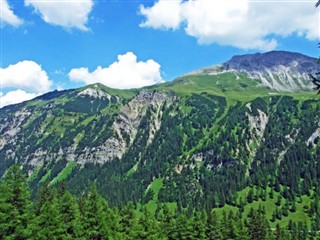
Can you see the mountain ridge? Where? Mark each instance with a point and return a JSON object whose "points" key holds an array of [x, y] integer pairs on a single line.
{"points": [[204, 137], [258, 68]]}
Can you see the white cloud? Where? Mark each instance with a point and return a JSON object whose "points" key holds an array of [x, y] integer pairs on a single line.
{"points": [[23, 81], [26, 75], [16, 96], [163, 15], [125, 73], [7, 16], [240, 23], [68, 14]]}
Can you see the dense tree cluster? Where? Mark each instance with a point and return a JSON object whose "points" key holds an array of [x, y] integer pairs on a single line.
{"points": [[58, 214]]}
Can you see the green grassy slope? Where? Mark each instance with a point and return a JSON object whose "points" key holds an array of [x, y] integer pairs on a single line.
{"points": [[234, 86]]}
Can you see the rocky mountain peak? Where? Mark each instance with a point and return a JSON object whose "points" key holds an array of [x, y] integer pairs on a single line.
{"points": [[272, 60], [276, 70], [95, 92]]}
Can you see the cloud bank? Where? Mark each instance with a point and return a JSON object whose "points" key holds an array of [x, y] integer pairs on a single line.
{"points": [[125, 73], [27, 78], [67, 14], [240, 23], [7, 16]]}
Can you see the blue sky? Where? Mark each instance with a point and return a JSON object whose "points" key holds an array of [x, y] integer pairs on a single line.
{"points": [[47, 45]]}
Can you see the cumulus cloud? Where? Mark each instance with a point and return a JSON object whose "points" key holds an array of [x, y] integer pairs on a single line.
{"points": [[125, 73], [16, 96], [27, 75], [240, 23], [7, 15], [27, 78], [67, 14], [164, 14]]}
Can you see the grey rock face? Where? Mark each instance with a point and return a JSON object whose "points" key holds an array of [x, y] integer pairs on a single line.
{"points": [[126, 125], [273, 59], [277, 70]]}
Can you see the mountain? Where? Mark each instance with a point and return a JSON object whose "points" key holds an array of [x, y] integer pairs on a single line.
{"points": [[276, 70], [204, 140]]}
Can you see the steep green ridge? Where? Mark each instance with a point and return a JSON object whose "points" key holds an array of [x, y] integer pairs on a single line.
{"points": [[234, 86], [237, 87]]}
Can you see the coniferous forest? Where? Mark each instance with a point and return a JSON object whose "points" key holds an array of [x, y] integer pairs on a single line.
{"points": [[55, 213], [198, 179]]}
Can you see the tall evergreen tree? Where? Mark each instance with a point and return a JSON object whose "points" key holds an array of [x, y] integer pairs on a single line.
{"points": [[147, 227], [45, 194], [93, 216], [70, 216], [213, 226], [128, 221], [49, 223], [198, 225], [182, 229], [15, 205], [257, 226]]}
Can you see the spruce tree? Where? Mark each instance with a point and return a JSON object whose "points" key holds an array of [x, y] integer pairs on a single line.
{"points": [[45, 194], [93, 216], [198, 225], [147, 227], [240, 230], [49, 223], [70, 216], [257, 226], [213, 226], [128, 221], [15, 205], [167, 222]]}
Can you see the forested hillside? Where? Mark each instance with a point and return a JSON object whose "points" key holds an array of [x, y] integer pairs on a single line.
{"points": [[225, 138], [58, 214]]}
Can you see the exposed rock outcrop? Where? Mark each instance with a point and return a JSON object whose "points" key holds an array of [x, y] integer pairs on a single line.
{"points": [[126, 126]]}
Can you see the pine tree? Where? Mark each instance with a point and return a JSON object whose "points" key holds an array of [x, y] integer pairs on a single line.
{"points": [[302, 230], [113, 223], [49, 223], [128, 221], [198, 225], [293, 207], [70, 216], [240, 230], [147, 228], [279, 200], [274, 216], [279, 233], [250, 196], [15, 205], [167, 221], [45, 194], [213, 226], [229, 225], [183, 229], [93, 216], [257, 226]]}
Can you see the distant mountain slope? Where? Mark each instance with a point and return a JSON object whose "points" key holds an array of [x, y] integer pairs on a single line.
{"points": [[276, 70]]}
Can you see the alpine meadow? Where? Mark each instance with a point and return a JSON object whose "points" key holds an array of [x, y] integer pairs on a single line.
{"points": [[227, 151]]}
